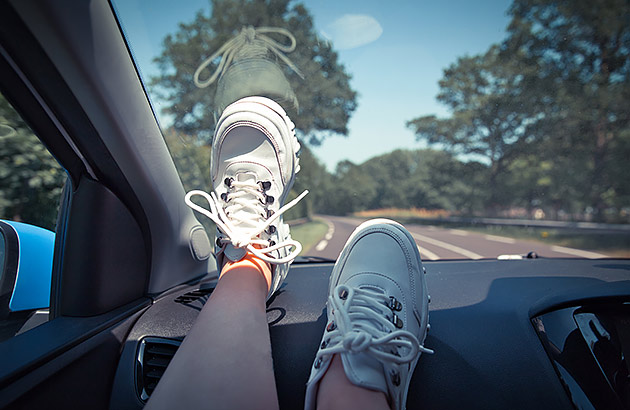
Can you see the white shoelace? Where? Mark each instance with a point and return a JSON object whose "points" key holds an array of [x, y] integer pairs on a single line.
{"points": [[259, 42], [246, 219], [362, 325]]}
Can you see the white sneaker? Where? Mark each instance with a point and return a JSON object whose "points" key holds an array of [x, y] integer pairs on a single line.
{"points": [[253, 166], [377, 312]]}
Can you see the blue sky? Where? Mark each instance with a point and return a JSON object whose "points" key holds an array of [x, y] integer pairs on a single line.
{"points": [[396, 56]]}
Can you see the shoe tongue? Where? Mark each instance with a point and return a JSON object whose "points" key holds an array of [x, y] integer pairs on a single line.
{"points": [[249, 178], [246, 177], [377, 307], [232, 253], [361, 368]]}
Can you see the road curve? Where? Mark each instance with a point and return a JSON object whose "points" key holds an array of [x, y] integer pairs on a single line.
{"points": [[443, 243]]}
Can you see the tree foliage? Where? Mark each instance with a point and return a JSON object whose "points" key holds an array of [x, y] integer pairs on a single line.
{"points": [[485, 96], [31, 180], [582, 51], [326, 99], [402, 179], [547, 109]]}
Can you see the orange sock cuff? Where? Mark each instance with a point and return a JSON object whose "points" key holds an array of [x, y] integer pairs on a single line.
{"points": [[249, 261]]}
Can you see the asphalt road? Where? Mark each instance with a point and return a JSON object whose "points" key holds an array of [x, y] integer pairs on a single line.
{"points": [[440, 243]]}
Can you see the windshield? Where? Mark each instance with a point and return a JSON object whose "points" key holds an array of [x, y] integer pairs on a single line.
{"points": [[491, 129]]}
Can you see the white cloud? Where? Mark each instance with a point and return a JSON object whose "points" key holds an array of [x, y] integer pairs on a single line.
{"points": [[353, 30]]}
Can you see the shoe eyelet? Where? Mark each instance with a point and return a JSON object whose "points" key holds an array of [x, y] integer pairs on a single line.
{"points": [[269, 213], [343, 295], [228, 181], [395, 377], [317, 363], [271, 230], [331, 326], [272, 243], [264, 185], [324, 344], [224, 197], [218, 242], [268, 200], [397, 321], [394, 304]]}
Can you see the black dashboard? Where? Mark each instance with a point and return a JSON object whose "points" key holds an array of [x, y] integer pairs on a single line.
{"points": [[540, 333]]}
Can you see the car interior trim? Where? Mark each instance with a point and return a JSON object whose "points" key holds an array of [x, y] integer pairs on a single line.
{"points": [[25, 352], [79, 51]]}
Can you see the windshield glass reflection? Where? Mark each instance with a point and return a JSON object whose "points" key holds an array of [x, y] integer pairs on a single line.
{"points": [[491, 130]]}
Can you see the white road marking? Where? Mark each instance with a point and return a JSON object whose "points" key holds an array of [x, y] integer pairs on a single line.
{"points": [[321, 245], [427, 254], [453, 248], [578, 252], [324, 242], [499, 239], [458, 232]]}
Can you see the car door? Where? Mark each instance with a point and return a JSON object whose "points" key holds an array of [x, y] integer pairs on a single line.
{"points": [[123, 233]]}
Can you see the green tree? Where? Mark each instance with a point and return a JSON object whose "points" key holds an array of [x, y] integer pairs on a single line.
{"points": [[440, 181], [353, 190], [486, 95], [557, 88], [31, 180], [582, 51], [388, 173], [325, 98], [405, 178], [191, 158], [313, 177]]}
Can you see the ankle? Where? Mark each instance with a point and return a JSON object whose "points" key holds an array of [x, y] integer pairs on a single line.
{"points": [[336, 391], [249, 262]]}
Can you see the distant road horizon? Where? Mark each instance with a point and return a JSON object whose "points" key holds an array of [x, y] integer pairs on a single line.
{"points": [[443, 243]]}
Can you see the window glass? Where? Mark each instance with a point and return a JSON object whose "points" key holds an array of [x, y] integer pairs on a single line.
{"points": [[498, 129], [31, 182]]}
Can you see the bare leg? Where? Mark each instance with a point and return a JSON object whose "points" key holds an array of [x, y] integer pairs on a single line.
{"points": [[367, 353], [225, 361], [336, 392]]}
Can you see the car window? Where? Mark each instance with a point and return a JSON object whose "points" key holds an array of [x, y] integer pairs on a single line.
{"points": [[31, 182], [2, 251], [499, 130]]}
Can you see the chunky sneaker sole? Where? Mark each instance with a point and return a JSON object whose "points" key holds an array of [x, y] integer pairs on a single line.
{"points": [[377, 312], [271, 121], [253, 166]]}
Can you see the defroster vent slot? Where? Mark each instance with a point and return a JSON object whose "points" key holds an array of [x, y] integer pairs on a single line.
{"points": [[154, 355]]}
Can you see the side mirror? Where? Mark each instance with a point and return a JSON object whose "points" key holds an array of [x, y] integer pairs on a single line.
{"points": [[26, 254]]}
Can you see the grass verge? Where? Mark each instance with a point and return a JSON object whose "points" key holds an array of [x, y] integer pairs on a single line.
{"points": [[309, 234]]}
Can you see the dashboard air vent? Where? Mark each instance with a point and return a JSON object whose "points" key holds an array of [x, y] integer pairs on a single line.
{"points": [[154, 354], [194, 295]]}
